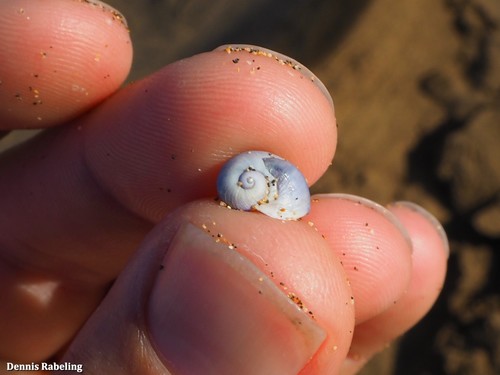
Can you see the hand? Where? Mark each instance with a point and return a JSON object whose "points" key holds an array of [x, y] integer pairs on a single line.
{"points": [[209, 290]]}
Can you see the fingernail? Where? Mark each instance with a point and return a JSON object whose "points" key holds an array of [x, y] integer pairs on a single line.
{"points": [[375, 207], [115, 14], [283, 60], [212, 311], [427, 216]]}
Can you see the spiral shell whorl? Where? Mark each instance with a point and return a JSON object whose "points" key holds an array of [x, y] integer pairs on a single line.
{"points": [[261, 181]]}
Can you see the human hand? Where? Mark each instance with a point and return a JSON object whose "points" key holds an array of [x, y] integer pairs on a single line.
{"points": [[77, 201]]}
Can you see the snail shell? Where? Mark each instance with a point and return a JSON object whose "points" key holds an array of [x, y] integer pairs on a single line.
{"points": [[261, 181]]}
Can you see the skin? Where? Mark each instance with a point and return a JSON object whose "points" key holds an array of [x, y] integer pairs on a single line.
{"points": [[78, 200]]}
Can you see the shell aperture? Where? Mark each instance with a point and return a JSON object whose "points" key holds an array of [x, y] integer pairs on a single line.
{"points": [[261, 181]]}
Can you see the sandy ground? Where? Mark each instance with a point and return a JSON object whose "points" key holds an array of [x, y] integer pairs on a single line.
{"points": [[416, 87]]}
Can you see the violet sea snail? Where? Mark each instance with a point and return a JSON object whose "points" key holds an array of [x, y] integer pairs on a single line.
{"points": [[261, 181]]}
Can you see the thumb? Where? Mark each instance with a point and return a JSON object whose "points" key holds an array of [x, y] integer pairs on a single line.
{"points": [[190, 303]]}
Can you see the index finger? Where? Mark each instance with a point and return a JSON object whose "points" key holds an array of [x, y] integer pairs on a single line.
{"points": [[161, 142]]}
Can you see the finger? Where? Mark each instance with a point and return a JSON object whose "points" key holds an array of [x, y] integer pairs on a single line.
{"points": [[372, 245], [59, 58], [235, 293], [430, 253], [160, 143], [76, 201]]}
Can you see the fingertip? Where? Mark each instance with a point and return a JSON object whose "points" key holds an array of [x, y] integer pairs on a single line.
{"points": [[59, 58], [282, 94], [237, 305], [298, 261], [160, 142], [281, 59], [423, 225], [373, 246], [430, 256]]}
